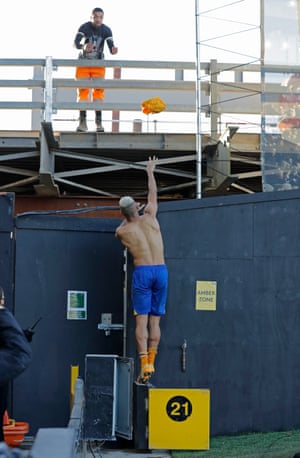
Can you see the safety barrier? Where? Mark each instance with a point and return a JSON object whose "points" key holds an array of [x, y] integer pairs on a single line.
{"points": [[130, 83], [66, 442]]}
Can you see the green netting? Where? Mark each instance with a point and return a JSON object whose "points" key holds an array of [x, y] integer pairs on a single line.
{"points": [[255, 445]]}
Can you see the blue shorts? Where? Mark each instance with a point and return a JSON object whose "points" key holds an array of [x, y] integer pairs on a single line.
{"points": [[149, 290]]}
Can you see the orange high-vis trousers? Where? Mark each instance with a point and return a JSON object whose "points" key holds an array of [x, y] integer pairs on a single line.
{"points": [[86, 73]]}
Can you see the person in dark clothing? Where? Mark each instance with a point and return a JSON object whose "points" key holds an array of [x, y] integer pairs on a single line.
{"points": [[15, 354], [90, 39]]}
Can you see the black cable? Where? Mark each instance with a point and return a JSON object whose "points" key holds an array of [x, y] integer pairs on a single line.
{"points": [[91, 449], [72, 211]]}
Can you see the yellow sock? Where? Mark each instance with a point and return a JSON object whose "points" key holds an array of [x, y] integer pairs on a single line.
{"points": [[151, 355], [143, 360]]}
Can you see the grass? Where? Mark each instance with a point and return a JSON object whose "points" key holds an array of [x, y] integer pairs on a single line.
{"points": [[254, 445]]}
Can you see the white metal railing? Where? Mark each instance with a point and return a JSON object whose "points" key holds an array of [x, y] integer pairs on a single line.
{"points": [[222, 87]]}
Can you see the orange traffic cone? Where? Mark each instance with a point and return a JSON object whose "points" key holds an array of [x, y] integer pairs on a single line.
{"points": [[14, 431], [5, 419]]}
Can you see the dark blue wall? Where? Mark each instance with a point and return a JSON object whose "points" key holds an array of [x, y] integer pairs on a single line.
{"points": [[247, 352], [7, 246], [55, 254]]}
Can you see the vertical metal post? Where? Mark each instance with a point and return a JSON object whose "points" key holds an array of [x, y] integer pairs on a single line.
{"points": [[48, 89], [125, 265], [179, 75], [262, 32], [47, 159], [263, 93], [214, 98], [37, 96], [116, 113], [198, 106]]}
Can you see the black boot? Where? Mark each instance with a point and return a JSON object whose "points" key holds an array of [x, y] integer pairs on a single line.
{"points": [[99, 127], [82, 122]]}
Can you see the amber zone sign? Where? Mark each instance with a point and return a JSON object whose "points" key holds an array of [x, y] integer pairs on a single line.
{"points": [[206, 295]]}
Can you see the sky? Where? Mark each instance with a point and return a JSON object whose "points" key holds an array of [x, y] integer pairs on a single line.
{"points": [[156, 29], [142, 30], [151, 30]]}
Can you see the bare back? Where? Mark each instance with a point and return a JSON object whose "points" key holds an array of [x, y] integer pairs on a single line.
{"points": [[142, 237]]}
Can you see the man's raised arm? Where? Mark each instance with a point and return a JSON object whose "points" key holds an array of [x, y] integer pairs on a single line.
{"points": [[152, 187]]}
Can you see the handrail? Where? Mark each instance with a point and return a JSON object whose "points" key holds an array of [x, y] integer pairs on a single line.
{"points": [[51, 93], [95, 63]]}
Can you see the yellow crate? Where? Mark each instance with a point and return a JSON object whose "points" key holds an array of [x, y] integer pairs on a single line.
{"points": [[179, 419]]}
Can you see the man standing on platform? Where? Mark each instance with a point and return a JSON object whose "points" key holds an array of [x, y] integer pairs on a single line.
{"points": [[90, 38], [141, 235]]}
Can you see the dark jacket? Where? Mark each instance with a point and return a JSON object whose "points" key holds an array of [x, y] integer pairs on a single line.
{"points": [[87, 33], [15, 352]]}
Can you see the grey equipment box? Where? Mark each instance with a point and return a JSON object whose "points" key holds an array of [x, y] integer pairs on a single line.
{"points": [[108, 397]]}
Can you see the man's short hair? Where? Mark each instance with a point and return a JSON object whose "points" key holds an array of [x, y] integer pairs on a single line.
{"points": [[127, 205], [126, 202], [97, 10]]}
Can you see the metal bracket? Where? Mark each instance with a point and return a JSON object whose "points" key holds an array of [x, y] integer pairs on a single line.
{"points": [[106, 324]]}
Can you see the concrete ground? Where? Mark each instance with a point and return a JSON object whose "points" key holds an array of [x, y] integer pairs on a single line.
{"points": [[103, 452], [120, 449], [132, 454], [95, 450], [106, 453]]}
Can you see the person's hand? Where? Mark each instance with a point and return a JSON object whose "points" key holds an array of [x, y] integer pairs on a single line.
{"points": [[114, 50], [88, 47], [151, 163]]}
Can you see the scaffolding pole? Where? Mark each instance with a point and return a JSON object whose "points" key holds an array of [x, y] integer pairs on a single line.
{"points": [[198, 106]]}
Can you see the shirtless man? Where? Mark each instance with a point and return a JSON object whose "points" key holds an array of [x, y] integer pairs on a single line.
{"points": [[141, 235]]}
